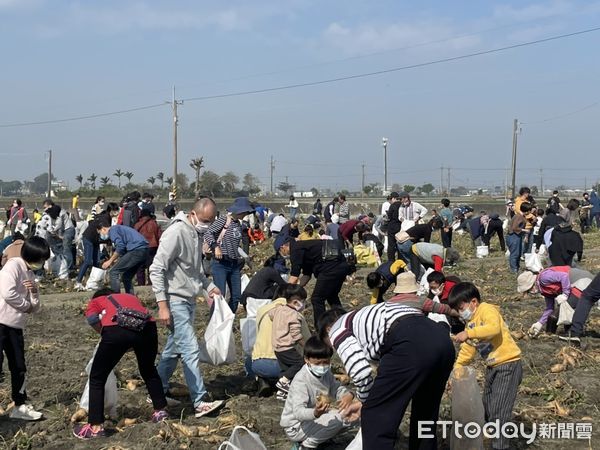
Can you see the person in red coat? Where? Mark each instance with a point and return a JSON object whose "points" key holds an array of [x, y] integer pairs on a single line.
{"points": [[149, 228]]}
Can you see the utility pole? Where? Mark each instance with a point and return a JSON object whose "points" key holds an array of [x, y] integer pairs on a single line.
{"points": [[541, 182], [442, 180], [362, 186], [585, 184], [272, 171], [384, 142], [174, 105], [49, 173], [514, 158], [448, 180]]}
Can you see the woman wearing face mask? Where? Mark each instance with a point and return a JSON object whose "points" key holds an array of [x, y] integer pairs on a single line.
{"points": [[223, 238], [149, 228], [17, 215], [19, 296], [290, 332], [97, 208]]}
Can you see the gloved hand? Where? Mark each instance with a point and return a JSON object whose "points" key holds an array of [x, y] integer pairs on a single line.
{"points": [[535, 329], [560, 299]]}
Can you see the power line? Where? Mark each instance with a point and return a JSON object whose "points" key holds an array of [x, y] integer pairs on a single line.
{"points": [[89, 116], [561, 116], [395, 69], [313, 83]]}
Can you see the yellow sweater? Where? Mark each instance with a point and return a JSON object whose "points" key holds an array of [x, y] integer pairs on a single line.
{"points": [[396, 267], [264, 330], [488, 335]]}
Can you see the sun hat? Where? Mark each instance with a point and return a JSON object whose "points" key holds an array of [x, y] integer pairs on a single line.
{"points": [[241, 205], [525, 281], [406, 283]]}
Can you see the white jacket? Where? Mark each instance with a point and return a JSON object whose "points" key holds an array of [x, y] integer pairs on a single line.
{"points": [[15, 299]]}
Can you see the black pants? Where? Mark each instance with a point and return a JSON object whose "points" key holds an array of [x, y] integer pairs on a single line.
{"points": [[488, 237], [392, 249], [12, 345], [416, 363], [290, 362], [330, 278], [115, 342], [446, 237], [589, 296]]}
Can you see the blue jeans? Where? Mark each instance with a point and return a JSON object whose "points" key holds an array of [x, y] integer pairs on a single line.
{"points": [[91, 258], [266, 368], [126, 268], [514, 242], [182, 342], [405, 250], [226, 272], [526, 246], [67, 240]]}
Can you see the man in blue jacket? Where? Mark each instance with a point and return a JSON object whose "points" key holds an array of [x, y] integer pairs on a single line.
{"points": [[130, 253]]}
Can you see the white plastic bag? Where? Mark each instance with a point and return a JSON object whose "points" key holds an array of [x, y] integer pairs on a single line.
{"points": [[467, 406], [407, 225], [533, 262], [96, 279], [565, 314], [245, 279], [253, 305], [111, 395], [482, 251], [59, 267], [356, 443], [542, 251], [218, 346], [248, 332], [436, 317], [243, 439], [424, 284]]}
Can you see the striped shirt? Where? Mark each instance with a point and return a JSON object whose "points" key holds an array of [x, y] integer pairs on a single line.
{"points": [[358, 339], [231, 238]]}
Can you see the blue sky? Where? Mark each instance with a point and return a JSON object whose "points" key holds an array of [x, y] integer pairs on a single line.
{"points": [[65, 59]]}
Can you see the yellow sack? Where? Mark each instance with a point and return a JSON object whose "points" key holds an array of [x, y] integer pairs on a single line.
{"points": [[364, 256]]}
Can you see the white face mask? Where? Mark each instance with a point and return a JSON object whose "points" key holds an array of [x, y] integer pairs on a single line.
{"points": [[437, 291], [200, 227], [319, 371], [466, 314]]}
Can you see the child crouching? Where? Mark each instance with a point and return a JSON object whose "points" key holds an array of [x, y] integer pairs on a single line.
{"points": [[307, 418], [486, 333]]}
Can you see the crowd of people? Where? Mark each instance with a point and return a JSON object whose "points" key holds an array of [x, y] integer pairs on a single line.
{"points": [[408, 333]]}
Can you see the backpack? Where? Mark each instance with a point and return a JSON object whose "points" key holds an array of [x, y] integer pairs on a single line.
{"points": [[131, 214]]}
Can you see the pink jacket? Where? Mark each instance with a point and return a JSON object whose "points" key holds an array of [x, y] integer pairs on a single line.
{"points": [[15, 300]]}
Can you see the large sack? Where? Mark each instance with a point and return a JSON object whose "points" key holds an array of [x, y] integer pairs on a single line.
{"points": [[218, 346]]}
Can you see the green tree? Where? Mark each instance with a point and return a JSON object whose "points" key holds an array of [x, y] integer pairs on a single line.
{"points": [[314, 191], [368, 189], [230, 181], [427, 188], [92, 179], [160, 176], [11, 187], [250, 183], [104, 181], [197, 164], [408, 188], [286, 187], [79, 179], [119, 173], [182, 182], [210, 183], [169, 181], [129, 176], [40, 183], [151, 181]]}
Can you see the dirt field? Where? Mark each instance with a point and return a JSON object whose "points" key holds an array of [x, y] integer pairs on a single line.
{"points": [[59, 344]]}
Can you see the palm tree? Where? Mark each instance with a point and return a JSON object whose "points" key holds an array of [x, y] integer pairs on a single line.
{"points": [[160, 176], [104, 181], [79, 179], [129, 176], [197, 164], [169, 181], [151, 181], [92, 180], [118, 173]]}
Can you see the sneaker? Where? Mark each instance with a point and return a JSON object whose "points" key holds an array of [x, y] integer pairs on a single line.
{"points": [[25, 412], [85, 431], [571, 339], [264, 388], [170, 400], [283, 384], [159, 416], [205, 408], [79, 287], [281, 395]]}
